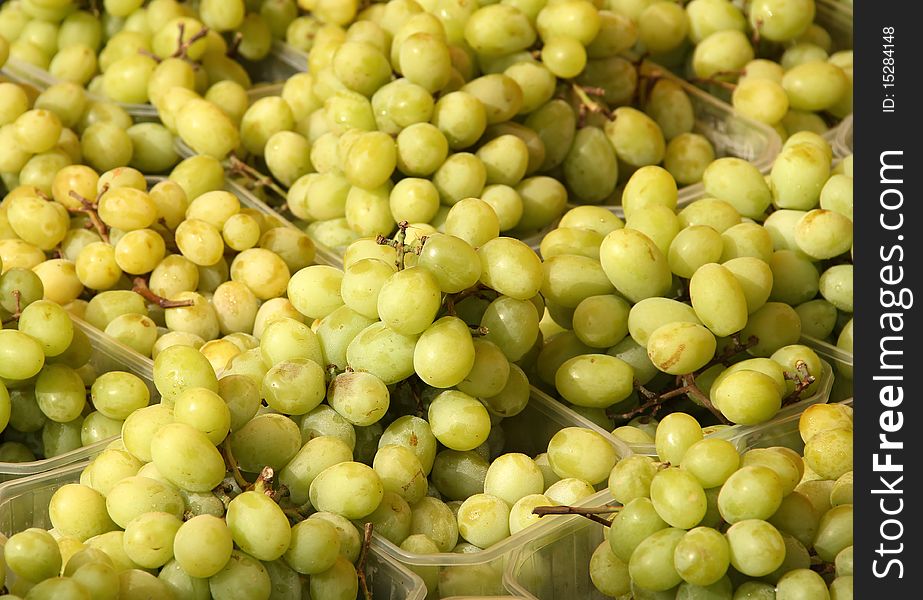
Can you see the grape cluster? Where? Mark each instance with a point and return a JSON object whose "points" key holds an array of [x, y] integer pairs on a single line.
{"points": [[681, 295], [53, 397], [767, 523]]}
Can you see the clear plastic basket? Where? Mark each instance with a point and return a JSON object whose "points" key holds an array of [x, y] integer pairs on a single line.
{"points": [[553, 562], [108, 355], [481, 573], [736, 433], [24, 504], [842, 362]]}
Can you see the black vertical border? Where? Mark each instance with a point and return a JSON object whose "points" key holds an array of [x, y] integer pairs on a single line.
{"points": [[877, 132]]}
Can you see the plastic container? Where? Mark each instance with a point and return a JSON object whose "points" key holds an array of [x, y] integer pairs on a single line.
{"points": [[481, 573], [108, 355], [737, 433], [837, 18], [553, 562], [265, 73], [24, 504]]}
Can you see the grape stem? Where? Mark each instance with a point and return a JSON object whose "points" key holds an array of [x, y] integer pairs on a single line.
{"points": [[140, 287], [17, 296], [238, 166], [397, 243], [183, 46], [90, 209], [232, 464], [591, 513], [588, 104], [655, 401], [478, 291], [802, 378], [756, 32], [360, 564], [235, 44]]}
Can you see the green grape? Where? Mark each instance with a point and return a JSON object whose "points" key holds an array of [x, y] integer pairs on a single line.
{"points": [[269, 439], [662, 27], [823, 417], [680, 347], [483, 30], [408, 301], [795, 278], [242, 577], [22, 355], [823, 234], [421, 149], [756, 547], [555, 123], [829, 453], [692, 248], [633, 524], [149, 538], [740, 184], [796, 516], [634, 265], [294, 386], [752, 492], [687, 156], [315, 290], [451, 408], [570, 450], [718, 299], [774, 325], [133, 497], [543, 199], [383, 352], [678, 498], [338, 582], [314, 548], [400, 472], [590, 166], [675, 434], [49, 325], [815, 85], [203, 545], [177, 440], [721, 52], [608, 573], [702, 556], [837, 195], [631, 478], [258, 526], [801, 583], [651, 564], [350, 489], [511, 268], [315, 456], [746, 240], [444, 353], [711, 461], [798, 175], [513, 476], [844, 562], [594, 380], [762, 100], [755, 278], [483, 520]]}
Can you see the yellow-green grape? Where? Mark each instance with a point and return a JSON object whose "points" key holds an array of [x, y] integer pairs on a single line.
{"points": [[747, 397], [635, 265], [678, 497], [671, 108], [755, 278], [651, 565], [680, 347], [590, 166], [511, 268], [836, 286], [444, 353], [738, 183], [718, 299], [707, 17], [350, 489], [746, 240], [452, 408], [594, 380], [815, 86], [662, 27], [203, 545], [763, 100], [649, 185], [692, 248], [499, 29], [460, 117], [823, 234], [781, 21], [798, 175], [721, 52], [636, 138], [570, 279], [658, 223], [581, 453], [651, 313]]}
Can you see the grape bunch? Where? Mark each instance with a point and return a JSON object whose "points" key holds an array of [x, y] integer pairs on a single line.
{"points": [[670, 300], [42, 133], [131, 54], [768, 523], [413, 108], [55, 395]]}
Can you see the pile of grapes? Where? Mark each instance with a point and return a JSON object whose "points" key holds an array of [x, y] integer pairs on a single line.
{"points": [[423, 296]]}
